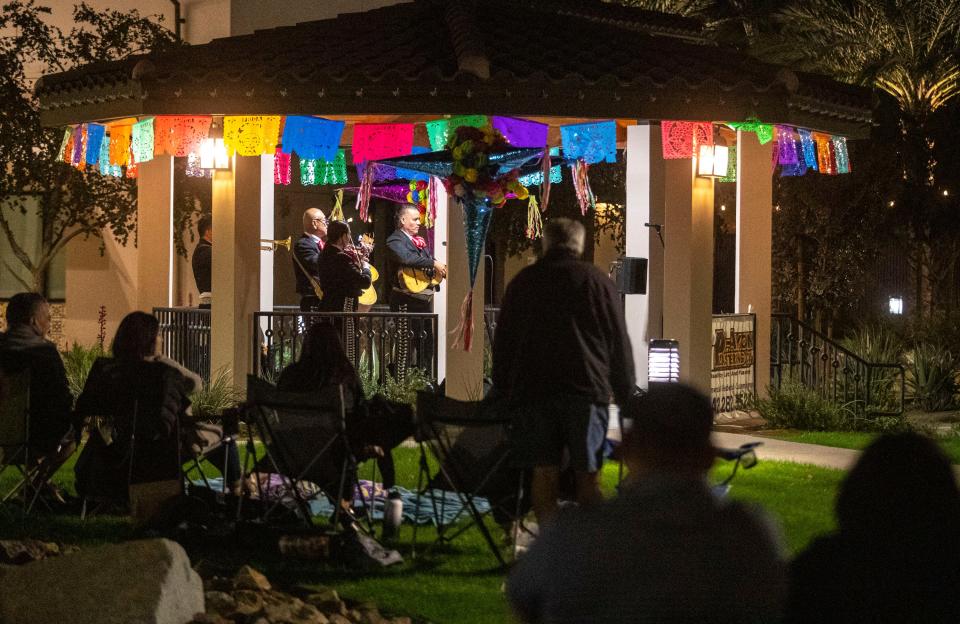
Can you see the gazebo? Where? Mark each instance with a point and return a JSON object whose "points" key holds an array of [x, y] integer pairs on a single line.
{"points": [[554, 62]]}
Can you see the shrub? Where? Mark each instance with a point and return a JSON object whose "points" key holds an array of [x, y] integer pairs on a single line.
{"points": [[209, 401], [795, 406], [78, 361], [405, 391], [931, 377], [875, 344]]}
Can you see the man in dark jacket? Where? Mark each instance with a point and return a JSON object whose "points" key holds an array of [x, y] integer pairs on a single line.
{"points": [[24, 347], [306, 258], [202, 260], [561, 353], [407, 250], [343, 274]]}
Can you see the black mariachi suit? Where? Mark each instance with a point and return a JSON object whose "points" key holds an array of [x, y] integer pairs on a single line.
{"points": [[401, 252], [308, 252], [340, 278]]}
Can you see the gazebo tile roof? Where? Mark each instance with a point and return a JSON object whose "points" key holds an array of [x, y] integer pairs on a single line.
{"points": [[561, 57]]}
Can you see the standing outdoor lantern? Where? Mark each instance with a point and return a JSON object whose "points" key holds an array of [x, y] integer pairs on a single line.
{"points": [[663, 361], [712, 161]]}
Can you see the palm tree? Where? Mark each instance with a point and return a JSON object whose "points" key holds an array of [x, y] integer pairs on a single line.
{"points": [[905, 48]]}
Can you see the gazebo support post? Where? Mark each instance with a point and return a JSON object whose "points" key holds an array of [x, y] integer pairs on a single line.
{"points": [[155, 255], [440, 252], [464, 370], [644, 181], [688, 269], [755, 245], [242, 215]]}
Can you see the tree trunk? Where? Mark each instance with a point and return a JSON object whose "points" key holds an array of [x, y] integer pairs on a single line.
{"points": [[917, 160]]}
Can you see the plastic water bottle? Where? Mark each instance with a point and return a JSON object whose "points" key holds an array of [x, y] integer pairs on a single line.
{"points": [[392, 514]]}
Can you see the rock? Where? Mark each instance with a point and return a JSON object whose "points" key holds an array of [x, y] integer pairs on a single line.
{"points": [[146, 581], [19, 552], [249, 578], [401, 620], [294, 611], [354, 615], [208, 618], [218, 583], [371, 616], [336, 618], [328, 601], [248, 603], [220, 603]]}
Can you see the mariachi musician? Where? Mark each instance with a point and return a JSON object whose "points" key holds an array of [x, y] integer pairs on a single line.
{"points": [[306, 259], [344, 271], [413, 271]]}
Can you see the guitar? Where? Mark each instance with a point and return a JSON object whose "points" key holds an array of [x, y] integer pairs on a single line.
{"points": [[418, 280], [365, 248]]}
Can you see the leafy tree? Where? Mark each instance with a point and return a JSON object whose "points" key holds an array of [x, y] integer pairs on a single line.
{"points": [[69, 202], [908, 50]]}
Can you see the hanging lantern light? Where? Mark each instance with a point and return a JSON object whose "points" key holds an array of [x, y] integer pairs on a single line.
{"points": [[213, 151], [712, 160], [663, 361]]}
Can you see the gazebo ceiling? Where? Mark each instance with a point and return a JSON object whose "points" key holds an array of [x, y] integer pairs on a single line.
{"points": [[567, 58]]}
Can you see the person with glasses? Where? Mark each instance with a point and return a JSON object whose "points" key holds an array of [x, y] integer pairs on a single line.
{"points": [[306, 260]]}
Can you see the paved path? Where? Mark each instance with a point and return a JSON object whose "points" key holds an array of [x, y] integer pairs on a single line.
{"points": [[799, 452]]}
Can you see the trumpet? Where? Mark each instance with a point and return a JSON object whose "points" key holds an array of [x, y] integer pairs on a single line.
{"points": [[273, 245]]}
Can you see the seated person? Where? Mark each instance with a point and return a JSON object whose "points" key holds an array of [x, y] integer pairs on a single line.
{"points": [[143, 392], [323, 363], [24, 346]]}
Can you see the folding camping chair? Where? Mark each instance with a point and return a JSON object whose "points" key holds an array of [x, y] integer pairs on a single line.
{"points": [[474, 453], [130, 456], [306, 442], [15, 436]]}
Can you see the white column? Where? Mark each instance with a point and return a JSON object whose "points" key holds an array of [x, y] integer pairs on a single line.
{"points": [[241, 196], [464, 369], [155, 255], [440, 299], [644, 184], [688, 269], [755, 244]]}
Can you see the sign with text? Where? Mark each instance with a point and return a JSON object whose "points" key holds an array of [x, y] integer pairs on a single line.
{"points": [[733, 369]]}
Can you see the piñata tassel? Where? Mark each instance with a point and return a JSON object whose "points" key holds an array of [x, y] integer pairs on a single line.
{"points": [[581, 183], [545, 184], [337, 213], [464, 330], [534, 221], [363, 193]]}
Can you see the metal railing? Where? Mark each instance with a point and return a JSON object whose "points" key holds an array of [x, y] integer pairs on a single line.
{"points": [[733, 378], [186, 337], [801, 354], [377, 343]]}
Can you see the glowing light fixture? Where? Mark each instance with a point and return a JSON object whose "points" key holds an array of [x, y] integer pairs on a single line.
{"points": [[896, 305], [663, 361], [712, 161], [213, 151]]}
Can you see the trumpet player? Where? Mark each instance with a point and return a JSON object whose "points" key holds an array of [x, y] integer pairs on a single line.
{"points": [[306, 262]]}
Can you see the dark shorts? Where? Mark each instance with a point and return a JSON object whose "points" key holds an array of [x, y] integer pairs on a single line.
{"points": [[543, 430]]}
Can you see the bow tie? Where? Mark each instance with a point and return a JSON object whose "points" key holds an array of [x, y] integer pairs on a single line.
{"points": [[418, 242]]}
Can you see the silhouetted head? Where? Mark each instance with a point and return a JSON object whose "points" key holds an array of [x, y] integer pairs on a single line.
{"points": [[323, 351], [31, 310], [137, 337], [902, 488], [670, 431], [564, 235]]}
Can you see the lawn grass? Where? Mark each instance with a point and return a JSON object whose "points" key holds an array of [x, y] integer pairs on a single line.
{"points": [[856, 440], [459, 582]]}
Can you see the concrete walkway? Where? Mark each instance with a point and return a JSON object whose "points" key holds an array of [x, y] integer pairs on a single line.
{"points": [[798, 452]]}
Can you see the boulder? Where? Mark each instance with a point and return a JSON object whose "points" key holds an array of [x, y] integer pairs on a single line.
{"points": [[19, 552], [142, 582], [250, 578]]}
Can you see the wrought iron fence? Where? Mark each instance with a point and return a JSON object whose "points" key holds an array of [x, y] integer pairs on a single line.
{"points": [[733, 378], [186, 337], [377, 343], [801, 354]]}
